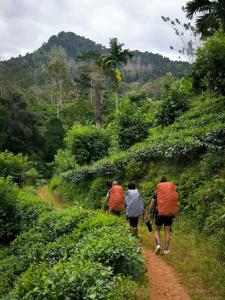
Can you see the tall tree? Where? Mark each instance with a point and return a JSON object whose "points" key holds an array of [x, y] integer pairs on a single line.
{"points": [[112, 61], [92, 80], [212, 15], [58, 73]]}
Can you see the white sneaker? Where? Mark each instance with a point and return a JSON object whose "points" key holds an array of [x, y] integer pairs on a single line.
{"points": [[165, 252], [157, 249]]}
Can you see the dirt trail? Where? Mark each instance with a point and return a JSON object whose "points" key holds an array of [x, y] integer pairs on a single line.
{"points": [[164, 284], [47, 197]]}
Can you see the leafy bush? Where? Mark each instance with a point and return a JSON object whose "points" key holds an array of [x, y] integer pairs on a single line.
{"points": [[123, 256], [76, 279], [87, 143], [28, 209], [59, 222], [175, 102], [209, 68], [54, 135], [97, 191], [132, 127], [137, 96], [17, 167], [9, 226]]}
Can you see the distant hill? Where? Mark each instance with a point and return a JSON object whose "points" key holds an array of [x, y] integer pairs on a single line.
{"points": [[31, 69]]}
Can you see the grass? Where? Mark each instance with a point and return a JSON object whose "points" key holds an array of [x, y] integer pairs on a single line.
{"points": [[194, 257], [50, 198]]}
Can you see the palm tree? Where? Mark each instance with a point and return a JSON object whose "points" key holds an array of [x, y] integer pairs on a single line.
{"points": [[111, 62], [212, 15]]}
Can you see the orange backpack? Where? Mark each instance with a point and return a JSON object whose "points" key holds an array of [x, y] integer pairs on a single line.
{"points": [[167, 199], [116, 198]]}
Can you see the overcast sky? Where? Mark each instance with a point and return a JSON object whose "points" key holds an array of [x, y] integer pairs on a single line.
{"points": [[26, 24]]}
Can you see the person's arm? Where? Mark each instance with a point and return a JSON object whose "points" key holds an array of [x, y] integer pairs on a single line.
{"points": [[152, 204]]}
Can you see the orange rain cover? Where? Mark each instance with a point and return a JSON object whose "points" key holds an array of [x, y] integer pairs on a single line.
{"points": [[116, 198], [167, 199]]}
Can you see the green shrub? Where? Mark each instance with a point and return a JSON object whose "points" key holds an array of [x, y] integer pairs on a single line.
{"points": [[7, 274], [123, 256], [9, 225], [132, 127], [175, 102], [59, 222], [76, 279], [17, 167], [87, 143], [209, 68], [137, 97], [97, 191], [28, 208]]}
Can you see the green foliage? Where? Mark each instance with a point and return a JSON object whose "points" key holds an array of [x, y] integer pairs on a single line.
{"points": [[175, 102], [9, 226], [18, 127], [17, 167], [64, 160], [122, 256], [208, 70], [74, 280], [54, 135], [97, 191], [59, 222], [137, 97], [132, 127], [28, 209], [87, 143], [70, 252]]}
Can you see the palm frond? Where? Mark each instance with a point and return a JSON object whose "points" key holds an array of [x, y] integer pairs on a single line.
{"points": [[194, 6]]}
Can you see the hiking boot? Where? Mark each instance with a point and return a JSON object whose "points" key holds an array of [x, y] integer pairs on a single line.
{"points": [[165, 252], [157, 249]]}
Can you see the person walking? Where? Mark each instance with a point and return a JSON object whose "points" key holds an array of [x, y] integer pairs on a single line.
{"points": [[134, 207], [165, 207], [115, 199]]}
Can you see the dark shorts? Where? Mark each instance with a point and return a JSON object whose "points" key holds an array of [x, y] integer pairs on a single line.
{"points": [[114, 212], [133, 221], [163, 220]]}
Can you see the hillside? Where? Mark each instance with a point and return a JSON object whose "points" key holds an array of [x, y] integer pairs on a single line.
{"points": [[31, 69]]}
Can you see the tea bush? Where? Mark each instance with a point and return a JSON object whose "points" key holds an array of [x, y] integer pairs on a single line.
{"points": [[87, 143], [9, 226], [123, 255], [76, 279]]}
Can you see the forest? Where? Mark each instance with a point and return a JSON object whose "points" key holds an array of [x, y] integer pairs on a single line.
{"points": [[76, 115]]}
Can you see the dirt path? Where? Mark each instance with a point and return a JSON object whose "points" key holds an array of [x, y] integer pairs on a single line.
{"points": [[48, 197], [164, 283]]}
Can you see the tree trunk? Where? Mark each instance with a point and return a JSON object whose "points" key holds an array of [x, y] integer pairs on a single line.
{"points": [[98, 104], [117, 103]]}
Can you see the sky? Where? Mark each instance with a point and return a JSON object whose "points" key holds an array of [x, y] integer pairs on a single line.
{"points": [[26, 24]]}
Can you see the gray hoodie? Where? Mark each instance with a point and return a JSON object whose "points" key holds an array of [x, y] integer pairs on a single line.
{"points": [[134, 204]]}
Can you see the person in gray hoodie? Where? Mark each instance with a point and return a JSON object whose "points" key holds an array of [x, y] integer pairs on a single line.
{"points": [[134, 206]]}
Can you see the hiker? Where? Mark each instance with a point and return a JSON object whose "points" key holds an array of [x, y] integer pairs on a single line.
{"points": [[115, 199], [165, 205], [134, 207]]}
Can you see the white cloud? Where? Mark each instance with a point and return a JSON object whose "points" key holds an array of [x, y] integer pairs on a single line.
{"points": [[26, 24]]}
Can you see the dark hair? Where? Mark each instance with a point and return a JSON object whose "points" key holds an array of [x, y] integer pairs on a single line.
{"points": [[131, 186], [109, 184], [163, 179]]}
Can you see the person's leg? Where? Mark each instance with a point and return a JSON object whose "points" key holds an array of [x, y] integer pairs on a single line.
{"points": [[167, 237], [157, 234], [167, 228], [133, 225], [157, 239], [158, 224]]}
